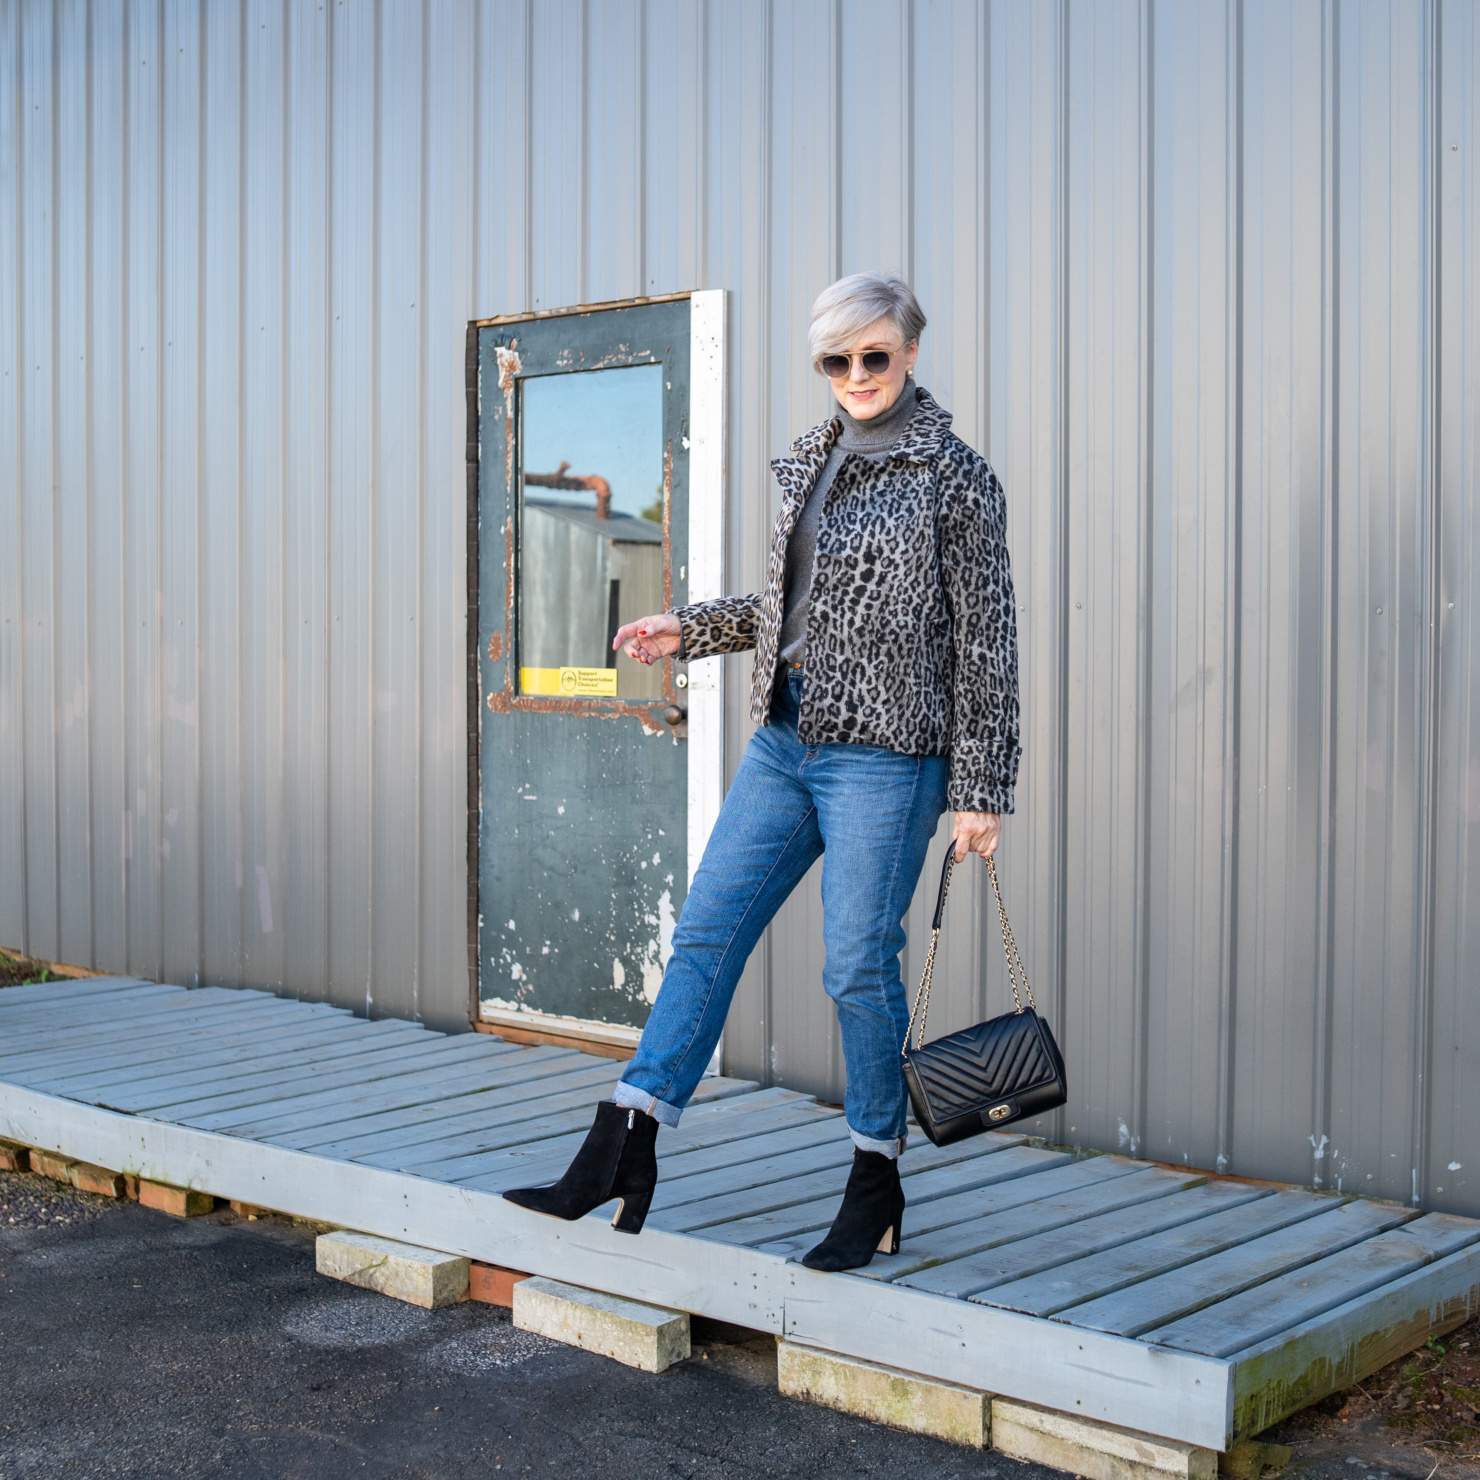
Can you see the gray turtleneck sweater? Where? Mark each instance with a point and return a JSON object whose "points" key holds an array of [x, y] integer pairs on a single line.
{"points": [[872, 439]]}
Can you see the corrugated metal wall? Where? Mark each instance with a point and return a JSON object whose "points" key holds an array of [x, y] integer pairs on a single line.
{"points": [[1203, 285]]}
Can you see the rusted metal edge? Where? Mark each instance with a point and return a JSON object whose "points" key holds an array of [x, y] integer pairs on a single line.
{"points": [[649, 711], [579, 308]]}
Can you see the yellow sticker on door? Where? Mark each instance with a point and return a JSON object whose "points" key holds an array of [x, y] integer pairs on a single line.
{"points": [[569, 683]]}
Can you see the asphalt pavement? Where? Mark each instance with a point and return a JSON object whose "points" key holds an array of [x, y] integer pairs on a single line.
{"points": [[136, 1344]]}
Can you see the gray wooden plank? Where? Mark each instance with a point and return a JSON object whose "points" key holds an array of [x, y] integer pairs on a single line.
{"points": [[334, 1095], [224, 1069], [959, 1275], [25, 1004], [1341, 1347], [951, 1227], [237, 1052], [359, 1053], [51, 1030], [681, 1172], [53, 1049], [30, 990], [501, 1120], [538, 1150], [422, 1125], [1169, 1297], [124, 1047], [98, 1013], [995, 1273], [745, 1203], [456, 1128], [260, 1096], [1056, 1291], [747, 1168], [399, 1096], [535, 1163], [773, 1229], [545, 1146], [252, 1096], [1276, 1305], [574, 1122], [246, 1036], [1107, 1379]]}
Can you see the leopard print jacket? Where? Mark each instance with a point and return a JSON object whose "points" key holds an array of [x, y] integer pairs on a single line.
{"points": [[911, 636]]}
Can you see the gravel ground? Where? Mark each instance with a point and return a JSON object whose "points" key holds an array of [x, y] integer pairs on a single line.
{"points": [[135, 1344], [38, 1202]]}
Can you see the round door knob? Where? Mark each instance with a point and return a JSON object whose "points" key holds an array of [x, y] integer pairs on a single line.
{"points": [[674, 715]]}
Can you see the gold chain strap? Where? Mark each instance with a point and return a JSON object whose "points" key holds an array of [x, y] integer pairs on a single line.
{"points": [[1015, 968], [1009, 946]]}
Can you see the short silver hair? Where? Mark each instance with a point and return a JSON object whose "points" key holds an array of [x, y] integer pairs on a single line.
{"points": [[843, 311]]}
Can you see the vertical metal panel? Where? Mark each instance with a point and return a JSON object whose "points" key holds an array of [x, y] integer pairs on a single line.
{"points": [[1286, 525], [1453, 1067], [1201, 282], [75, 841], [14, 864]]}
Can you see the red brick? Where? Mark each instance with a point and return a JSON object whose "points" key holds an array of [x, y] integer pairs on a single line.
{"points": [[492, 1283], [14, 1157], [54, 1165], [87, 1178], [183, 1202], [131, 1187], [246, 1209]]}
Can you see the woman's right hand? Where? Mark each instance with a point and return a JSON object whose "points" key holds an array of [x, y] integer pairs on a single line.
{"points": [[649, 638]]}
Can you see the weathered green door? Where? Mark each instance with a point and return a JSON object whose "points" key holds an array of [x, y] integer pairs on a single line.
{"points": [[583, 502]]}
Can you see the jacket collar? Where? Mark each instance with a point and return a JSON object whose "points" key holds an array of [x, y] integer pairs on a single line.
{"points": [[920, 442]]}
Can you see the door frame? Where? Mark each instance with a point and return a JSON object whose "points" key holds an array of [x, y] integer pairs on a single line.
{"points": [[708, 403]]}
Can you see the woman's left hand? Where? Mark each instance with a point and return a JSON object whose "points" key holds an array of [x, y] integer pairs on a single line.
{"points": [[976, 832]]}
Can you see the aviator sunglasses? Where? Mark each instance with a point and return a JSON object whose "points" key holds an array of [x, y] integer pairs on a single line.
{"points": [[875, 361]]}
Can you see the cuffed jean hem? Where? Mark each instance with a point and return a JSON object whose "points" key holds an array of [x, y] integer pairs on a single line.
{"points": [[629, 1097], [892, 1149]]}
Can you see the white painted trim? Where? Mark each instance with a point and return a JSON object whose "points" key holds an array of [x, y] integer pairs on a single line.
{"points": [[706, 565], [1111, 1379], [568, 1027]]}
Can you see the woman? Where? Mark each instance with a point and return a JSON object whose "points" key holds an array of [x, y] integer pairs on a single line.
{"points": [[885, 688]]}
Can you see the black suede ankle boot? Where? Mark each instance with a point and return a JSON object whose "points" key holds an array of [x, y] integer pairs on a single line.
{"points": [[618, 1159], [868, 1222]]}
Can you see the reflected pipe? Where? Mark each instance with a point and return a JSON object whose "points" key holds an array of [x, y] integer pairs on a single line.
{"points": [[592, 482]]}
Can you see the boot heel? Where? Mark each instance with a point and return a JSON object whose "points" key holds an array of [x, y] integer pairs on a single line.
{"points": [[632, 1211], [889, 1244]]}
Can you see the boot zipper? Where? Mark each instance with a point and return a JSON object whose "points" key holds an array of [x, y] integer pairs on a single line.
{"points": [[631, 1117]]}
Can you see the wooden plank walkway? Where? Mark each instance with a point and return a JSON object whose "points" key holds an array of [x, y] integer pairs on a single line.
{"points": [[1195, 1308]]}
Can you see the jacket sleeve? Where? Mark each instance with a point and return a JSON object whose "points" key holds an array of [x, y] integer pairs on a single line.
{"points": [[978, 586], [725, 625]]}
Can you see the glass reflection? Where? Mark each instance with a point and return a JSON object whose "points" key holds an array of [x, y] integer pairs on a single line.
{"points": [[591, 528]]}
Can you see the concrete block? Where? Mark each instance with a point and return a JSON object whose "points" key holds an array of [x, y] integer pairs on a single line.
{"points": [[54, 1165], [14, 1157], [86, 1178], [492, 1283], [903, 1400], [643, 1336], [424, 1277], [1097, 1451], [183, 1202], [1249, 1460]]}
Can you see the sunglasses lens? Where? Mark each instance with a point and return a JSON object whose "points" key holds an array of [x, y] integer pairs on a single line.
{"points": [[835, 366], [876, 361]]}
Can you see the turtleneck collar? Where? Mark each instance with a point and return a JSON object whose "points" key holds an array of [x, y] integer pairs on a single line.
{"points": [[879, 433]]}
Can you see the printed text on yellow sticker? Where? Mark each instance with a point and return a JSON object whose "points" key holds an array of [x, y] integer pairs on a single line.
{"points": [[569, 683]]}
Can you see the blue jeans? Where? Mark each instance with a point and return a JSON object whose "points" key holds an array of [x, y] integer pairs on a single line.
{"points": [[873, 812]]}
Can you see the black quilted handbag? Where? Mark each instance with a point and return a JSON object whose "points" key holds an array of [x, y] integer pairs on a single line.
{"points": [[985, 1077]]}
